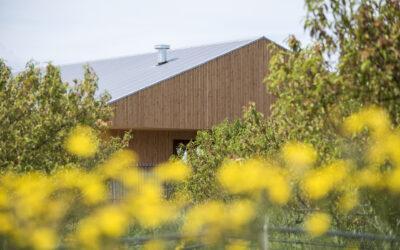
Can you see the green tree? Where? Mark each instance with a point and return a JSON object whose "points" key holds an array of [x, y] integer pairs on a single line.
{"points": [[352, 63], [38, 110], [241, 138]]}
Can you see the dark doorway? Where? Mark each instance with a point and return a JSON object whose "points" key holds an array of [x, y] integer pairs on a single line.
{"points": [[177, 143]]}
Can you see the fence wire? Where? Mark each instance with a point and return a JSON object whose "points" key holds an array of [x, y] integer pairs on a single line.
{"points": [[331, 240]]}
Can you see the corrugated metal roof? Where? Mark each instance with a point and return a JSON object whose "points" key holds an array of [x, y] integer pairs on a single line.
{"points": [[124, 76]]}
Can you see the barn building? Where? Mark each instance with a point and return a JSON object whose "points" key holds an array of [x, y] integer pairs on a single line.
{"points": [[165, 97]]}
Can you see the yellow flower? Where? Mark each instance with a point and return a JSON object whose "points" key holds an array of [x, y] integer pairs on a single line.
{"points": [[118, 163], [239, 213], [238, 245], [354, 124], [3, 199], [111, 220], [368, 178], [317, 224], [6, 223], [393, 147], [277, 185], [319, 182], [252, 176], [208, 215], [93, 189], [348, 201], [31, 191], [242, 176], [154, 245], [239, 177], [90, 184], [393, 180], [376, 119], [385, 148], [213, 218], [299, 156], [44, 238], [172, 171], [88, 233], [82, 142], [148, 206]]}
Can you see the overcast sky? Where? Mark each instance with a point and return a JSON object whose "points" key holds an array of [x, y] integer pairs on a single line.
{"points": [[66, 31]]}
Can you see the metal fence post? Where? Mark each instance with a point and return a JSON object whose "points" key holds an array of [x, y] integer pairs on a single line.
{"points": [[265, 234]]}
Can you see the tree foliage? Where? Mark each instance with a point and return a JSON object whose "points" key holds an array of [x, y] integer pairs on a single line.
{"points": [[233, 140], [352, 63], [38, 110]]}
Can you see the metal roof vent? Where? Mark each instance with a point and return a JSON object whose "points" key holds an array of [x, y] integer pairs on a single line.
{"points": [[162, 53]]}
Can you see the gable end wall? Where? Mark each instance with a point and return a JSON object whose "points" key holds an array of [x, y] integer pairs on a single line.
{"points": [[201, 97]]}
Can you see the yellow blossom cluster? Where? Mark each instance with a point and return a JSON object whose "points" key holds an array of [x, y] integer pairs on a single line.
{"points": [[317, 183], [372, 118], [299, 156], [82, 141], [37, 210], [255, 175], [212, 219], [72, 207], [317, 224], [339, 177]]}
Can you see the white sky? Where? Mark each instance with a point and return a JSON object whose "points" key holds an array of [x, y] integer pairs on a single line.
{"points": [[65, 31]]}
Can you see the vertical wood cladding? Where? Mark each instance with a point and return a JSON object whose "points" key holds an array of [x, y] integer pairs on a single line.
{"points": [[156, 146], [201, 97]]}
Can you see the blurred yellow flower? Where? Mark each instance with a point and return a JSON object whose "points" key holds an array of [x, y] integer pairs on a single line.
{"points": [[393, 180], [319, 182], [277, 185], [204, 216], [3, 199], [374, 118], [92, 188], [154, 245], [172, 171], [378, 120], [299, 156], [44, 238], [82, 141], [317, 224], [238, 245], [6, 223], [385, 148], [368, 178], [242, 176], [211, 219], [111, 220], [239, 213], [254, 175], [87, 234], [31, 191], [118, 163], [354, 124], [148, 206], [348, 201]]}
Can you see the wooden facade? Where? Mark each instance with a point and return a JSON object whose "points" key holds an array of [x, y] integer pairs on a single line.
{"points": [[194, 100]]}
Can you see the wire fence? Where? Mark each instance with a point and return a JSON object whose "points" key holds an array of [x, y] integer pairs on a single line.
{"points": [[271, 237], [288, 238]]}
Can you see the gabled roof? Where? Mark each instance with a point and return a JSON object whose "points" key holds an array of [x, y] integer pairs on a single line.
{"points": [[124, 76]]}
